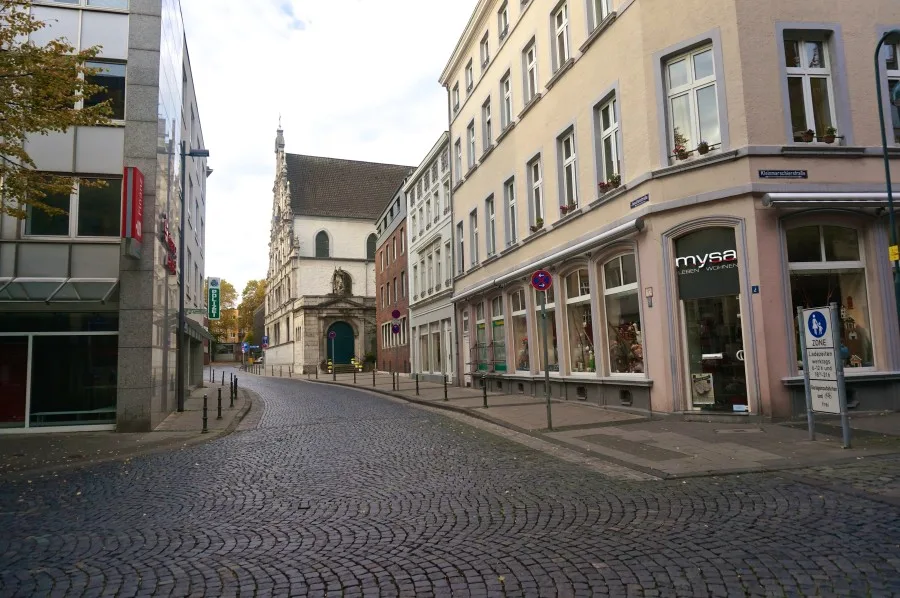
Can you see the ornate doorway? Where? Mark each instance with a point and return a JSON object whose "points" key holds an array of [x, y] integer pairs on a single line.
{"points": [[343, 342]]}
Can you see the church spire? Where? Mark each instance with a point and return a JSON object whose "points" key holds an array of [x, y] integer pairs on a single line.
{"points": [[279, 138]]}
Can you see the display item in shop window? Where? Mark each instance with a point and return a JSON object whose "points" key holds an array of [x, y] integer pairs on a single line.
{"points": [[522, 356], [626, 349]]}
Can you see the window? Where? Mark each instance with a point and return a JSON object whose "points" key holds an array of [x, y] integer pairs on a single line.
{"points": [[600, 9], [421, 220], [470, 77], [457, 150], [810, 90], [403, 283], [111, 78], [448, 267], [623, 316], [503, 21], [393, 248], [827, 265], [322, 245], [386, 298], [460, 249], [423, 280], [531, 77], [415, 281], [506, 106], [486, 132], [692, 101], [498, 335], [491, 237], [473, 236], [569, 190], [428, 213], [395, 290], [561, 28], [512, 222], [414, 229], [437, 267], [455, 97], [446, 196], [437, 204], [552, 355], [893, 74], [94, 210], [485, 52], [481, 345], [519, 316], [402, 241], [536, 182], [608, 133], [370, 247], [580, 322], [470, 140]]}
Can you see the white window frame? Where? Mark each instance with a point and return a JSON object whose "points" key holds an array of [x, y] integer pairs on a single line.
{"points": [[690, 89], [611, 134], [893, 78], [581, 299], [562, 51], [536, 171], [421, 220], [806, 74], [437, 267], [446, 196], [470, 141], [415, 281], [569, 170], [531, 72], [430, 261], [600, 10], [512, 223], [503, 22], [436, 196], [506, 107], [485, 49], [473, 237], [490, 238], [470, 78], [487, 129], [448, 267], [458, 159], [455, 98], [621, 290], [460, 248]]}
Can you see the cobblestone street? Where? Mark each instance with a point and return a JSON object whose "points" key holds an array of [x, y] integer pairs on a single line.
{"points": [[333, 491]]}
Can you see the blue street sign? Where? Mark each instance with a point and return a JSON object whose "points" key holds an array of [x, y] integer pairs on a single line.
{"points": [[817, 324], [395, 328], [541, 280]]}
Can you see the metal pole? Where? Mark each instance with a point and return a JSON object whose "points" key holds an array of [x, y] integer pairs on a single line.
{"points": [[219, 413], [484, 388], [354, 374], [179, 337], [205, 430], [231, 404], [546, 359], [417, 384], [841, 381], [810, 418], [223, 378], [373, 376], [333, 364], [445, 387], [894, 33]]}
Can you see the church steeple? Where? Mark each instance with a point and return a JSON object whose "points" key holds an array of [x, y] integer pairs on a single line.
{"points": [[279, 138]]}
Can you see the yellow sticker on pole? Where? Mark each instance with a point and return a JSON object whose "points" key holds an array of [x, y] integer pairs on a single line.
{"points": [[894, 253]]}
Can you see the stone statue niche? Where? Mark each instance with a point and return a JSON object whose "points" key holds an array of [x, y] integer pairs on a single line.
{"points": [[341, 283]]}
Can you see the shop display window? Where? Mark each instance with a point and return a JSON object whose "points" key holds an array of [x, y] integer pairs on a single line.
{"points": [[552, 352], [520, 330], [498, 334], [623, 316], [580, 323]]}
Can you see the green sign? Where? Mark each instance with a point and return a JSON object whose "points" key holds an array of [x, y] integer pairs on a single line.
{"points": [[213, 299]]}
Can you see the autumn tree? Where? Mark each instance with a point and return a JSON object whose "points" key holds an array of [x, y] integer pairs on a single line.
{"points": [[253, 296], [40, 86], [228, 315]]}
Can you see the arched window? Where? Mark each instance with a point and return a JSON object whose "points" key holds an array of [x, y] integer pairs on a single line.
{"points": [[581, 322], [370, 246], [323, 245], [624, 333]]}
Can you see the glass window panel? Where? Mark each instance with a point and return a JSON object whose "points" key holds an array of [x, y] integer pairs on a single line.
{"points": [[798, 106], [678, 74], [848, 290], [703, 65], [109, 3], [40, 222], [78, 390], [681, 118], [613, 273], [624, 335], [791, 54], [607, 116], [520, 340], [841, 244], [708, 112], [581, 338], [572, 285], [13, 390], [815, 57], [499, 344], [892, 62], [895, 111], [99, 210], [821, 104], [803, 244], [610, 156], [629, 269], [112, 79], [570, 184], [552, 354]]}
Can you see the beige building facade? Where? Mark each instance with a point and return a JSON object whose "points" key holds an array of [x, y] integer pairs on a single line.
{"points": [[689, 178]]}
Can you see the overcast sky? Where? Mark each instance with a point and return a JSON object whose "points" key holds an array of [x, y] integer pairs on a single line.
{"points": [[353, 79]]}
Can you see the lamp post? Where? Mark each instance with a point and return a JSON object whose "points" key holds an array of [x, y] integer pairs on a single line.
{"points": [[179, 338]]}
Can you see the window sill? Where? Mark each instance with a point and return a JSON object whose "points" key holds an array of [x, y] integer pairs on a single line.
{"points": [[487, 151], [472, 169], [512, 247], [600, 28], [695, 163], [535, 235], [531, 103], [823, 150], [562, 70], [567, 217], [491, 258], [505, 132], [473, 268], [608, 196]]}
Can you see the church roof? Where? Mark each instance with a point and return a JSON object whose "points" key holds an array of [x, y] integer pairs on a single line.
{"points": [[342, 188]]}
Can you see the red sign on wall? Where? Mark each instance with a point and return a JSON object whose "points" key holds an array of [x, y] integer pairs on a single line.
{"points": [[133, 211]]}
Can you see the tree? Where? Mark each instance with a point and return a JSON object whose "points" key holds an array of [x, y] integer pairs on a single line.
{"points": [[39, 89], [228, 317], [253, 296]]}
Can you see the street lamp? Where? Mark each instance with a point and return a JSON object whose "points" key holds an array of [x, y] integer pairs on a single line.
{"points": [[179, 338]]}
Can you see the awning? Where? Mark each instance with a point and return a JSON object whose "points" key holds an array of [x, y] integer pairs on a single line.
{"points": [[830, 200], [595, 242], [197, 332], [57, 290]]}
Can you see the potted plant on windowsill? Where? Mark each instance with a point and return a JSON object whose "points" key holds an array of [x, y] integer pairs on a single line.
{"points": [[680, 145], [703, 148], [603, 186], [614, 181], [807, 136], [567, 208], [538, 225], [830, 134]]}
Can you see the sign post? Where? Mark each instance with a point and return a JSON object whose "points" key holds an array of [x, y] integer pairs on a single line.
{"points": [[333, 335], [823, 368], [395, 330], [214, 299], [542, 281]]}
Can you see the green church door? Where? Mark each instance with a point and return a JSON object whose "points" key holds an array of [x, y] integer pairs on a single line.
{"points": [[343, 342]]}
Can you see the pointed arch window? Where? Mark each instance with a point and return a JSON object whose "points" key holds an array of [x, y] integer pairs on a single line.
{"points": [[370, 247], [323, 245]]}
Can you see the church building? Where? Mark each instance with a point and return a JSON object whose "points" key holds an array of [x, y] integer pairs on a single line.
{"points": [[320, 293]]}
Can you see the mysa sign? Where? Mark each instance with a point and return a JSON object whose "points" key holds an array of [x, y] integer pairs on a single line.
{"points": [[132, 212], [706, 262]]}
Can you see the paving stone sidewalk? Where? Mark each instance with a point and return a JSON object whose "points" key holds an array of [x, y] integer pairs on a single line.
{"points": [[667, 447], [35, 454]]}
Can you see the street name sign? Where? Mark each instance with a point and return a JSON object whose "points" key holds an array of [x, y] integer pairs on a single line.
{"points": [[214, 299]]}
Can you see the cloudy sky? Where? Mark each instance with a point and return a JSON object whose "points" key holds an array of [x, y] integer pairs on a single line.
{"points": [[352, 79]]}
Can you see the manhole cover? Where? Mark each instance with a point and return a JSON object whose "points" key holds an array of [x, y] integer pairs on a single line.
{"points": [[739, 431]]}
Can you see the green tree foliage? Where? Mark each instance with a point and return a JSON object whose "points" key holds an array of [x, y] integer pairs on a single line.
{"points": [[253, 296]]}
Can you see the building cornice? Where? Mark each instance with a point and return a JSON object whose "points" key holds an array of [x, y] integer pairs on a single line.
{"points": [[465, 40], [425, 165]]}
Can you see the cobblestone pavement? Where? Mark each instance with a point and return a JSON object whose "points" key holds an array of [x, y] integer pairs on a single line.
{"points": [[341, 493]]}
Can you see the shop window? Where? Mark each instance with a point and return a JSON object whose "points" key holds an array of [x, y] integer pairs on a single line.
{"points": [[580, 322], [519, 316], [481, 343], [623, 316], [552, 354], [827, 265], [498, 334]]}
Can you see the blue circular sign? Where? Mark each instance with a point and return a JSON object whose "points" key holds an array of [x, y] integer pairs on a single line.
{"points": [[541, 280], [817, 324], [395, 328]]}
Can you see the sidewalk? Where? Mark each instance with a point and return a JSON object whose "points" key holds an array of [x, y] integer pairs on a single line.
{"points": [[663, 446], [36, 454]]}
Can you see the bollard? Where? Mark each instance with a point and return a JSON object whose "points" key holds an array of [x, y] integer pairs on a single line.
{"points": [[484, 388], [205, 430], [235, 387], [317, 372], [393, 381], [445, 388], [354, 375], [290, 371], [373, 376], [417, 384], [223, 378], [219, 413]]}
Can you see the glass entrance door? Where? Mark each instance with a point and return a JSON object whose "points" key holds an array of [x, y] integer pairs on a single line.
{"points": [[13, 381], [717, 378]]}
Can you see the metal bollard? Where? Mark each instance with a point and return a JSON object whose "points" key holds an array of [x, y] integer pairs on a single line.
{"points": [[223, 378], [205, 430], [354, 375], [235, 387], [393, 381], [417, 384], [219, 413], [445, 388], [484, 388], [290, 371], [373, 376], [317, 372]]}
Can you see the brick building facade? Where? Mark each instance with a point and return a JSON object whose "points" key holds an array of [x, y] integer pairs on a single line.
{"points": [[391, 281]]}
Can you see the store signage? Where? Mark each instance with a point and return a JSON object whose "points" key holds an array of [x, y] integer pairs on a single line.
{"points": [[706, 263], [214, 299], [783, 174], [132, 212]]}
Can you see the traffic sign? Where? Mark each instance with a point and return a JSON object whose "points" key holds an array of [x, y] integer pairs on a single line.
{"points": [[245, 347], [332, 335], [395, 328], [214, 299], [265, 342], [395, 314], [818, 325], [542, 280]]}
